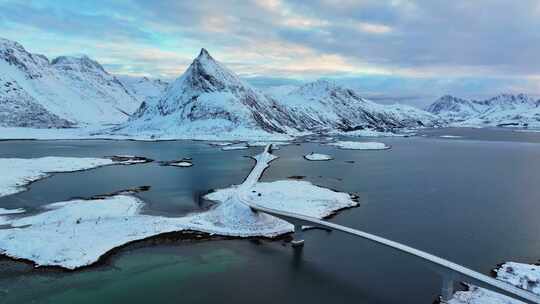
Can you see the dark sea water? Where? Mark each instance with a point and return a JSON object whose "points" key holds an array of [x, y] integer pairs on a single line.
{"points": [[473, 200]]}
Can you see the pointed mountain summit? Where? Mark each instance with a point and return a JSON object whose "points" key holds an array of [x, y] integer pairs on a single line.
{"points": [[209, 101]]}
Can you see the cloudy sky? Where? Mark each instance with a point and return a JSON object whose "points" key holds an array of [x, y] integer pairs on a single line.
{"points": [[396, 49]]}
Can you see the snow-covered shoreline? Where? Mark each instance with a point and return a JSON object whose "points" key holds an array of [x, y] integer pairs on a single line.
{"points": [[524, 276], [23, 172], [77, 233]]}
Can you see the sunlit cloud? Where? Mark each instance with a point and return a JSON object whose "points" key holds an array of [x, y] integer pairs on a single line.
{"points": [[407, 40]]}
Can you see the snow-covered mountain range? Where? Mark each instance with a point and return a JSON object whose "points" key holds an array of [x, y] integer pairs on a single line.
{"points": [[64, 92], [210, 100], [517, 110]]}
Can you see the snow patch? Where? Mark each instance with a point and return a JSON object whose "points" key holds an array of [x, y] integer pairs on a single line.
{"points": [[524, 276], [478, 295], [356, 145], [235, 147], [317, 156]]}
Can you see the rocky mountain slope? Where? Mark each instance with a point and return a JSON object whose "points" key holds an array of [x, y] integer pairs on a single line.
{"points": [[64, 92], [503, 110], [209, 100], [323, 105]]}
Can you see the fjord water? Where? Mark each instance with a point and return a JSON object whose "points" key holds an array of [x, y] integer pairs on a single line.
{"points": [[474, 201]]}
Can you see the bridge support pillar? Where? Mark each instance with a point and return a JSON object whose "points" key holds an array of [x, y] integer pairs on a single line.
{"points": [[447, 290], [298, 237]]}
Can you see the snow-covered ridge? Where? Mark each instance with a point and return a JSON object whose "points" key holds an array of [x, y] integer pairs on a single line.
{"points": [[503, 110], [64, 92]]}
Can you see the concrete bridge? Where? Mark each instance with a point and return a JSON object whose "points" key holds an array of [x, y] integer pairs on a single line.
{"points": [[450, 272]]}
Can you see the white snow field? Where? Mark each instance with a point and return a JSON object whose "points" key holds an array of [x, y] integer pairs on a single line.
{"points": [[19, 172], [241, 146], [3, 212], [525, 276], [356, 145], [450, 136], [477, 295], [77, 233], [317, 157]]}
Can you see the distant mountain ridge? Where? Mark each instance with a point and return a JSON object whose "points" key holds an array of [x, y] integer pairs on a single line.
{"points": [[517, 110], [323, 104], [65, 92]]}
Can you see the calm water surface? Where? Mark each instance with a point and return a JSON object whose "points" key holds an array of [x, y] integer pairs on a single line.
{"points": [[473, 200]]}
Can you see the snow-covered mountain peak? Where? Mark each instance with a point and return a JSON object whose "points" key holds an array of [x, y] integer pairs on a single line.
{"points": [[9, 44], [208, 75], [80, 64], [323, 88], [15, 55], [449, 103]]}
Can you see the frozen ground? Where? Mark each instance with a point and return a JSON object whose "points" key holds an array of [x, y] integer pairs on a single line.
{"points": [[77, 233], [356, 145], [525, 276], [477, 295], [19, 172]]}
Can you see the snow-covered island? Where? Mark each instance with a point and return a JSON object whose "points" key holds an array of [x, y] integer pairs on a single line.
{"points": [[241, 146], [19, 172], [357, 145], [181, 163], [317, 156], [77, 233]]}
